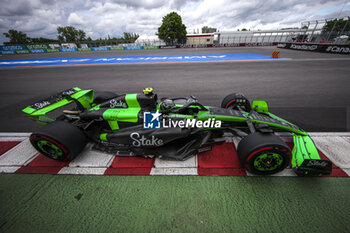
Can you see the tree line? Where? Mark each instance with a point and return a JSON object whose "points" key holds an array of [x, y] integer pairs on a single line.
{"points": [[67, 34], [172, 31]]}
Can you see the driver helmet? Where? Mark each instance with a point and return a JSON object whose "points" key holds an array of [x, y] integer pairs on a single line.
{"points": [[167, 104]]}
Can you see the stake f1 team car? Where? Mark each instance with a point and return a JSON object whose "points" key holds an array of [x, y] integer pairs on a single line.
{"points": [[130, 125]]}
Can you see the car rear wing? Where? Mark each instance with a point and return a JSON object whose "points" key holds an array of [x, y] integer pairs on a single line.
{"points": [[38, 110], [306, 159]]}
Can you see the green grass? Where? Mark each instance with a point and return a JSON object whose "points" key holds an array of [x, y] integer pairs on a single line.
{"points": [[59, 203]]}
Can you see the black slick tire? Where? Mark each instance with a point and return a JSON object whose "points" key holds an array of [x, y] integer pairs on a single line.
{"points": [[59, 140]]}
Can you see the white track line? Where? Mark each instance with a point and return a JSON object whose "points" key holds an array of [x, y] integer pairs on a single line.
{"points": [[10, 169], [91, 158], [174, 172], [347, 171], [9, 137], [337, 149], [189, 163], [19, 155], [82, 171]]}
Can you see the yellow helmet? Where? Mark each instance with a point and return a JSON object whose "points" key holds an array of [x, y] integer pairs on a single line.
{"points": [[148, 90]]}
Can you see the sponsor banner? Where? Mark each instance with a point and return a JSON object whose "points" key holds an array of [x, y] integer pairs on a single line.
{"points": [[68, 50], [283, 45], [168, 47], [151, 47], [8, 52], [12, 47], [84, 49], [100, 49], [52, 50], [54, 46], [116, 48], [344, 49], [37, 51], [37, 46], [224, 45], [133, 47], [22, 51], [311, 47], [323, 48]]}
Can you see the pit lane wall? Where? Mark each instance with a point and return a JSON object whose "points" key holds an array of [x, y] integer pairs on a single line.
{"points": [[323, 48]]}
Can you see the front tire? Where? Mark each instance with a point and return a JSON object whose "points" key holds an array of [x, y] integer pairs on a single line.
{"points": [[59, 140], [234, 100], [263, 154]]}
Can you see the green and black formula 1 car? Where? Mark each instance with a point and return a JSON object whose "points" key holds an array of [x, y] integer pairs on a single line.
{"points": [[170, 128]]}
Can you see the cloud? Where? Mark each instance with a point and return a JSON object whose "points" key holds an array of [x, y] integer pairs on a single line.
{"points": [[74, 19], [100, 18]]}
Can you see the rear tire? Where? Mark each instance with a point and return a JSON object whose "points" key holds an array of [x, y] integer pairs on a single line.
{"points": [[59, 140], [263, 154], [234, 100]]}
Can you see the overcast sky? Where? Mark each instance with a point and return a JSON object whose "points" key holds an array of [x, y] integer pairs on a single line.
{"points": [[100, 18]]}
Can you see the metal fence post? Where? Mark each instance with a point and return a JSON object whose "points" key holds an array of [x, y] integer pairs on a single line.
{"points": [[308, 25], [329, 34], [346, 24], [312, 34], [270, 37]]}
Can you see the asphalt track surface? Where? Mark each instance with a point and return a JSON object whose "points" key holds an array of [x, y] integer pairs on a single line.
{"points": [[309, 89]]}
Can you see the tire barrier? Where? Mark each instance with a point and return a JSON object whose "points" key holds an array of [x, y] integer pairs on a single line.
{"points": [[323, 48]]}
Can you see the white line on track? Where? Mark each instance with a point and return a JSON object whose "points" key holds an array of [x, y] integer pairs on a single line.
{"points": [[337, 149], [91, 158], [82, 171], [189, 163], [19, 155], [174, 171]]}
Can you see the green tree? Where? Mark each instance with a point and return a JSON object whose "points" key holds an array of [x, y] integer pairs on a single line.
{"points": [[338, 25], [42, 40], [130, 37], [16, 37], [172, 30], [70, 34], [244, 29]]}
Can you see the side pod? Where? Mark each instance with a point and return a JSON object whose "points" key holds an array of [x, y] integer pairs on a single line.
{"points": [[305, 158]]}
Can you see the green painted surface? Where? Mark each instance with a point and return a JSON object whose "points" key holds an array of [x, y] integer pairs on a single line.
{"points": [[268, 161], [52, 50], [260, 106], [37, 46], [60, 203], [50, 148], [84, 49], [103, 137], [304, 148], [113, 124], [22, 51], [116, 48], [85, 97]]}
